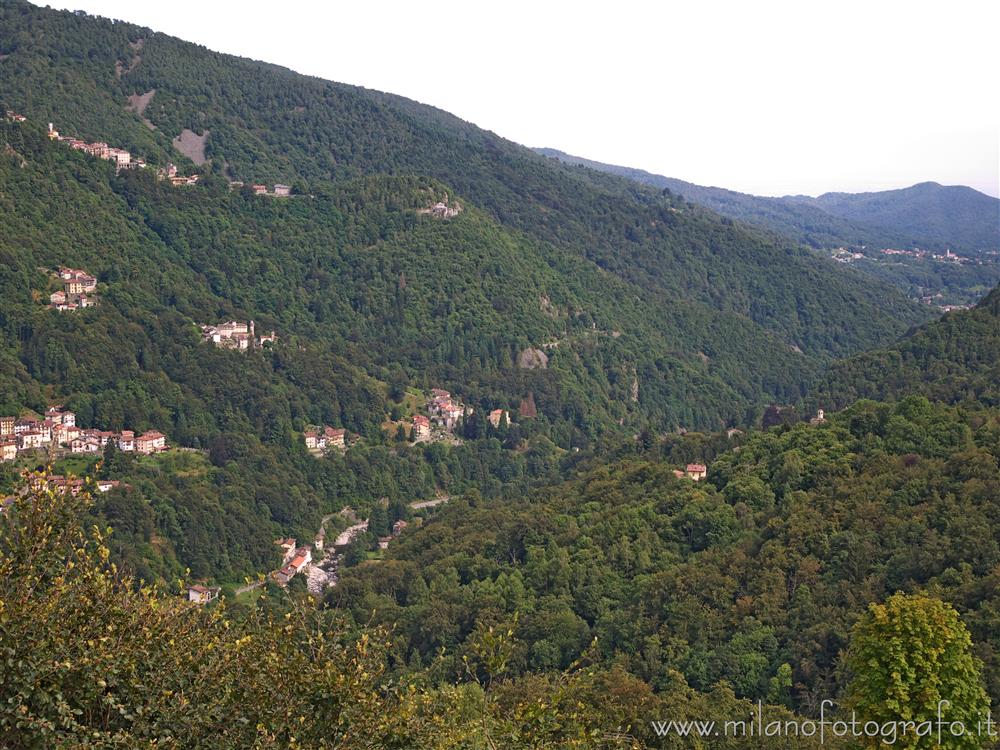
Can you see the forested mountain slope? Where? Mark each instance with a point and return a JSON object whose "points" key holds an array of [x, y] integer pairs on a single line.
{"points": [[372, 301], [753, 576], [956, 358], [808, 224], [264, 123]]}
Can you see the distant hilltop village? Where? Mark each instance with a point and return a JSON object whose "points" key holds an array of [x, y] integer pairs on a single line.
{"points": [[898, 256], [121, 158], [236, 335], [442, 210]]}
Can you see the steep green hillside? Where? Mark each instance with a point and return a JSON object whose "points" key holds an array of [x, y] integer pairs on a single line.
{"points": [[371, 299], [265, 123], [954, 359]]}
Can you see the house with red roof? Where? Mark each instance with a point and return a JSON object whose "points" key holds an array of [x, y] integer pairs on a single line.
{"points": [[151, 442], [697, 472], [421, 427]]}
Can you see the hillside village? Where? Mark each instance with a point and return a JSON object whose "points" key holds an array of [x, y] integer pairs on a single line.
{"points": [[295, 559], [322, 439], [445, 414], [121, 158], [918, 258], [78, 292], [441, 210], [278, 191], [58, 435], [237, 335]]}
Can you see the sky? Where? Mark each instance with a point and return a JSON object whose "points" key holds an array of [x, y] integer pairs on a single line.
{"points": [[770, 97]]}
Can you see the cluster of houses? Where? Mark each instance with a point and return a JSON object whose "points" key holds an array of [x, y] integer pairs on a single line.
{"points": [[843, 255], [442, 210], [14, 116], [397, 529], [446, 413], [78, 290], [169, 173], [59, 483], [694, 472], [280, 191], [59, 429], [121, 158], [293, 561], [236, 335], [948, 257], [322, 439]]}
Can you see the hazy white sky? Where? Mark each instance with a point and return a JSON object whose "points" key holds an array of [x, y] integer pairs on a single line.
{"points": [[767, 97]]}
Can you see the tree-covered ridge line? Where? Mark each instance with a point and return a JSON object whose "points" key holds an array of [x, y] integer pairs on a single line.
{"points": [[926, 215], [263, 117], [955, 359], [770, 562]]}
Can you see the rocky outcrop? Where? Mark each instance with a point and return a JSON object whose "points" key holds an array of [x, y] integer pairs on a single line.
{"points": [[532, 359]]}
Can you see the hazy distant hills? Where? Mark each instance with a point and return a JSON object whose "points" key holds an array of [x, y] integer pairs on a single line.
{"points": [[926, 215], [954, 215]]}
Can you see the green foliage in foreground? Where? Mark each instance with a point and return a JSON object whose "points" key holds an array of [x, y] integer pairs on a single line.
{"points": [[912, 661], [92, 661]]}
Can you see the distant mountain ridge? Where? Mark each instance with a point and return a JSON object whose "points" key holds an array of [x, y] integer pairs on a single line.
{"points": [[926, 215], [953, 359], [953, 214]]}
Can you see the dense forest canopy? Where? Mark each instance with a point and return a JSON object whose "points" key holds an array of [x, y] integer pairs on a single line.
{"points": [[267, 124], [754, 577], [371, 299]]}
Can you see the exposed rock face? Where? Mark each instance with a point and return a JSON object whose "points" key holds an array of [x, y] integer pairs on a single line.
{"points": [[192, 145], [532, 359], [138, 102], [528, 409]]}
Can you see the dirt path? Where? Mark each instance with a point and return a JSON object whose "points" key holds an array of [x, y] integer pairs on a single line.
{"points": [[430, 503], [249, 587]]}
